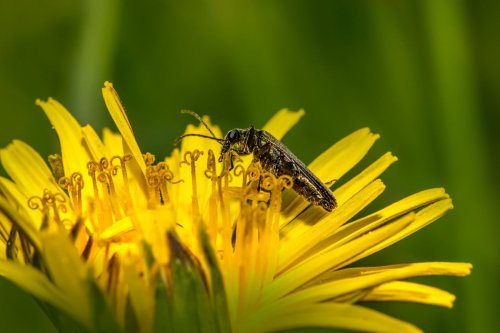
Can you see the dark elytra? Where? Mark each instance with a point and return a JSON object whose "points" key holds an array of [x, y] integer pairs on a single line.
{"points": [[275, 158]]}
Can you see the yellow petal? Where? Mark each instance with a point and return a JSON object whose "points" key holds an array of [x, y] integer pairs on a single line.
{"points": [[13, 216], [422, 218], [27, 169], [112, 141], [356, 228], [117, 229], [119, 116], [331, 165], [403, 291], [368, 279], [342, 194], [300, 273], [17, 220], [328, 315], [354, 185], [306, 227], [32, 176], [282, 122], [130, 146], [68, 272], [18, 199], [342, 156], [418, 269], [74, 153], [3, 246], [95, 145], [304, 239], [141, 297]]}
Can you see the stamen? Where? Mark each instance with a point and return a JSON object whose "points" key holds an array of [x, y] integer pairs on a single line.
{"points": [[165, 175], [211, 173], [247, 215], [127, 202], [228, 161], [74, 185], [257, 231], [92, 168], [108, 202], [153, 182], [56, 164], [190, 159], [239, 170], [227, 247], [49, 203], [149, 159], [252, 181], [157, 177], [108, 187], [102, 209]]}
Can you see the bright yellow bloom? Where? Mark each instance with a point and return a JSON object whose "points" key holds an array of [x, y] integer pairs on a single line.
{"points": [[109, 240]]}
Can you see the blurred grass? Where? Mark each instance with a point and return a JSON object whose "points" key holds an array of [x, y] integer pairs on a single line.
{"points": [[463, 147], [424, 74]]}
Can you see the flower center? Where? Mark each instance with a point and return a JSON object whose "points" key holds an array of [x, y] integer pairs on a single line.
{"points": [[241, 206]]}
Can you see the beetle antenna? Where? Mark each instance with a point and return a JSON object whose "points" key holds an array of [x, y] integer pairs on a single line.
{"points": [[194, 114], [179, 139]]}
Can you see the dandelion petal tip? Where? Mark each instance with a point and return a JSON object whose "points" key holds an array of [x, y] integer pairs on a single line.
{"points": [[108, 84], [368, 132], [41, 102], [392, 156]]}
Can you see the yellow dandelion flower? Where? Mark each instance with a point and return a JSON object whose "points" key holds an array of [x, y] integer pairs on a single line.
{"points": [[108, 239]]}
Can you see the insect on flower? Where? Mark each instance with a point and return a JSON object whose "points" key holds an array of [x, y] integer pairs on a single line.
{"points": [[274, 157]]}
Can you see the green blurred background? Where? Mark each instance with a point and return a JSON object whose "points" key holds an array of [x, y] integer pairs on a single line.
{"points": [[425, 74]]}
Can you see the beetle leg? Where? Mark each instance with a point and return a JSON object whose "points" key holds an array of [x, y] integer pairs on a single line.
{"points": [[231, 162]]}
